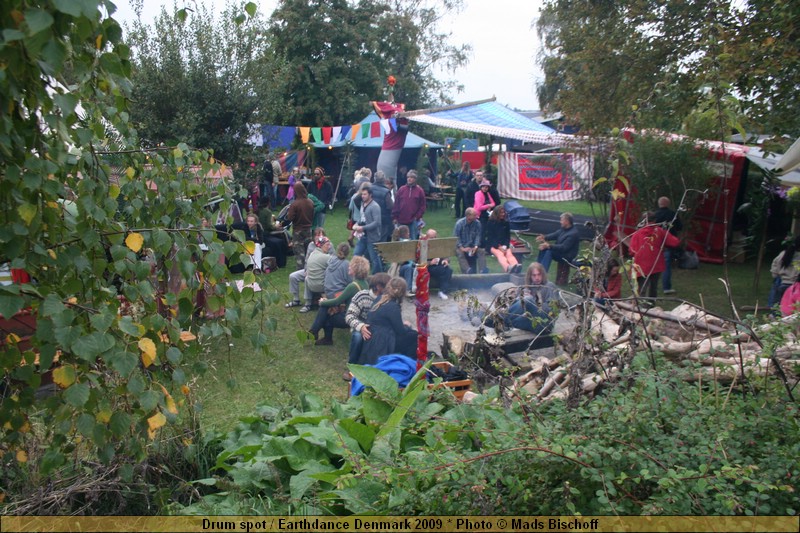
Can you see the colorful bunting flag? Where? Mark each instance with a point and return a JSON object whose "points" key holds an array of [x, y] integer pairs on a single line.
{"points": [[317, 134], [354, 131], [375, 129], [326, 134], [304, 132], [335, 132], [385, 126]]}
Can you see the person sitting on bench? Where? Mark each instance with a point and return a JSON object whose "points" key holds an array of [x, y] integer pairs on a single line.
{"points": [[565, 247]]}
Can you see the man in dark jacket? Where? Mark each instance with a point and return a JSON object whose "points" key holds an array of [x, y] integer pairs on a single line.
{"points": [[669, 219], [383, 198], [473, 187], [322, 189], [565, 247]]}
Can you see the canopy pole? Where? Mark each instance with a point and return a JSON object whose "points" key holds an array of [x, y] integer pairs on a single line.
{"points": [[406, 114]]}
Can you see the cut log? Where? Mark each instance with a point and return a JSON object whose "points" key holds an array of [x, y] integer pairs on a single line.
{"points": [[663, 315]]}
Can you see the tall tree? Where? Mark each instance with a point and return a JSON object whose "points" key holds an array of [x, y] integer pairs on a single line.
{"points": [[204, 78], [100, 226], [341, 53], [762, 53], [603, 60]]}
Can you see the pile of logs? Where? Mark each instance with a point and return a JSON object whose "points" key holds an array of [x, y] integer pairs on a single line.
{"points": [[603, 341]]}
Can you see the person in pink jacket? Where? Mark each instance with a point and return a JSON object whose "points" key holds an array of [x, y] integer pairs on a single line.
{"points": [[483, 201], [647, 247]]}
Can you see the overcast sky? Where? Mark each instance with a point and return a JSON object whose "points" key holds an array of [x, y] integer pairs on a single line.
{"points": [[500, 31]]}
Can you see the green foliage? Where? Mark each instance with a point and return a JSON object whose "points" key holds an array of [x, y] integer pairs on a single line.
{"points": [[604, 60], [657, 166], [110, 236], [342, 52], [205, 79], [653, 444]]}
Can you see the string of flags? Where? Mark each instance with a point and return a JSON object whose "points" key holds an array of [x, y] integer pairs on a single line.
{"points": [[335, 134]]}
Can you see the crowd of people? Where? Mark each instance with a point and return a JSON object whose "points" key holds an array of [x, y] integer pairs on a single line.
{"points": [[358, 294]]}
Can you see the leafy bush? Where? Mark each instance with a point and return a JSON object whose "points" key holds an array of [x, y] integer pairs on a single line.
{"points": [[654, 444]]}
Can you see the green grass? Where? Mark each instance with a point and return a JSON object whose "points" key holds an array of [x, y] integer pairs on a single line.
{"points": [[242, 378]]}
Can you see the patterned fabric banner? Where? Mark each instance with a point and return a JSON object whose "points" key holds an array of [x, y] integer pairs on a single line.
{"points": [[553, 177]]}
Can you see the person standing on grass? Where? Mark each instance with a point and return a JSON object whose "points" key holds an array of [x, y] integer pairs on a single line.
{"points": [[409, 205], [301, 215], [462, 180], [473, 187], [322, 189], [369, 230], [647, 246], [382, 196], [669, 218]]}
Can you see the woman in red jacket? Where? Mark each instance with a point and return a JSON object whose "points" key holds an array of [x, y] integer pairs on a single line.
{"points": [[647, 246]]}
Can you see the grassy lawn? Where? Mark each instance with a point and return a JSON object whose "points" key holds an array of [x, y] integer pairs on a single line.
{"points": [[240, 378]]}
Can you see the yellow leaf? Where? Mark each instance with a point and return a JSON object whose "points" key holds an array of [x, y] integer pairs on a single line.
{"points": [[212, 160], [187, 441], [169, 402], [171, 407], [64, 376], [187, 336], [51, 253], [98, 41], [26, 427], [103, 416], [26, 212], [185, 389], [130, 172], [148, 348], [156, 421], [134, 241], [250, 247], [22, 456], [113, 191], [12, 338]]}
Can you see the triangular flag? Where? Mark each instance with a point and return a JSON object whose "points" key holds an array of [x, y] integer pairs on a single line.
{"points": [[345, 132], [375, 129], [365, 129], [354, 131], [317, 133], [385, 126], [393, 124], [304, 131], [326, 134], [335, 132]]}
